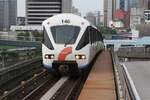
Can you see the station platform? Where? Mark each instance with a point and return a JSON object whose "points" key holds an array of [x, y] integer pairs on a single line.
{"points": [[100, 83], [139, 72]]}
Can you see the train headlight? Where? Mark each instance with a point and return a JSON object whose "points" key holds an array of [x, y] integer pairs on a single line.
{"points": [[83, 57], [49, 56], [77, 57], [80, 56]]}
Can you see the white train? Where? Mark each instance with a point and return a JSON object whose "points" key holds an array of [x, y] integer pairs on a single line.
{"points": [[70, 44]]}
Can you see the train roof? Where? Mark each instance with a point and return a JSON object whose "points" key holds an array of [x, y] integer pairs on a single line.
{"points": [[75, 19]]}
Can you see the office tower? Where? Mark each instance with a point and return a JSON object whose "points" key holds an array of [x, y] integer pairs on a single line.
{"points": [[8, 14], [108, 11], [39, 10], [105, 12]]}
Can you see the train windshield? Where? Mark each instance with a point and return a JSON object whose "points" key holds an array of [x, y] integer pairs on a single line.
{"points": [[65, 34]]}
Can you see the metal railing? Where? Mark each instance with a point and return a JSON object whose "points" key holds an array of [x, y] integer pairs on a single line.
{"points": [[124, 86], [21, 68], [12, 56], [134, 52], [20, 38]]}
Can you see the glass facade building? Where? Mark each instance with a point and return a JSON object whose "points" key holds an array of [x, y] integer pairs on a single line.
{"points": [[8, 14], [122, 4]]}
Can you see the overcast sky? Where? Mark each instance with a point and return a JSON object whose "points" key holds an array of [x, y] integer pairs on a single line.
{"points": [[83, 6]]}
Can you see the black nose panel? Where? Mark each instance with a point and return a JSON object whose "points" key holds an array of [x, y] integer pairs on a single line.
{"points": [[65, 68]]}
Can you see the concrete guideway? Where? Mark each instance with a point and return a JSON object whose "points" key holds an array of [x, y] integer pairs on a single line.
{"points": [[100, 84], [54, 89], [140, 73]]}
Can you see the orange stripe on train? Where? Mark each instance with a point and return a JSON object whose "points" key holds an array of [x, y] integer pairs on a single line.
{"points": [[64, 53]]}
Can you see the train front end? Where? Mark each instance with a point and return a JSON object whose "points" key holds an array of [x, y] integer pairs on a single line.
{"points": [[60, 48]]}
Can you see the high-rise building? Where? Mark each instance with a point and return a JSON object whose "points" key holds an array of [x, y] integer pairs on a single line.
{"points": [[39, 10], [139, 10], [98, 18], [116, 10], [145, 4], [8, 14], [148, 5], [105, 12], [108, 11], [117, 4], [66, 6], [135, 17], [90, 16], [134, 3], [75, 11], [122, 4], [127, 5], [94, 18]]}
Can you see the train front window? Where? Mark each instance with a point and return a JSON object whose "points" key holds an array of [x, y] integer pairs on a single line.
{"points": [[65, 34], [46, 40]]}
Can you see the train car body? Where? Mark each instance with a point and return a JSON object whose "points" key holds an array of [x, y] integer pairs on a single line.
{"points": [[70, 43]]}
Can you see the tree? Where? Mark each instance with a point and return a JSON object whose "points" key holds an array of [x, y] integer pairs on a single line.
{"points": [[23, 36], [107, 30], [37, 35]]}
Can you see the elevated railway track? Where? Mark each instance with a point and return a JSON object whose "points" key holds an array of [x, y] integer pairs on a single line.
{"points": [[107, 80]]}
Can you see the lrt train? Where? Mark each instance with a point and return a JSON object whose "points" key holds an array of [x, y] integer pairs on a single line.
{"points": [[70, 44]]}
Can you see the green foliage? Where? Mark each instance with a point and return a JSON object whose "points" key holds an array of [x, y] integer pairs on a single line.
{"points": [[37, 35], [107, 30], [27, 35], [7, 47], [23, 36]]}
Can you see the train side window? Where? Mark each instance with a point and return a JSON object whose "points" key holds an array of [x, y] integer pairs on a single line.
{"points": [[97, 37], [100, 37], [84, 40], [91, 35], [46, 40]]}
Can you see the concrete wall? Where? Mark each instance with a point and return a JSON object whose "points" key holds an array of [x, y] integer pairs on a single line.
{"points": [[144, 29]]}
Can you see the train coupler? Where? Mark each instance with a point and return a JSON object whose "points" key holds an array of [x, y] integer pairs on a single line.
{"points": [[69, 68]]}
